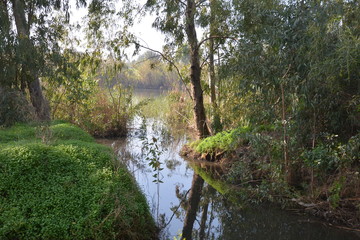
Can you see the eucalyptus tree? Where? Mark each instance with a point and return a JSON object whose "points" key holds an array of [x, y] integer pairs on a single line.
{"points": [[177, 19], [180, 21], [295, 66], [214, 20], [29, 47]]}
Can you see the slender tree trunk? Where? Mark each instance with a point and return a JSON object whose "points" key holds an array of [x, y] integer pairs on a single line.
{"points": [[216, 124], [195, 72], [4, 9], [208, 193], [29, 76], [286, 160], [212, 76], [193, 205], [203, 221]]}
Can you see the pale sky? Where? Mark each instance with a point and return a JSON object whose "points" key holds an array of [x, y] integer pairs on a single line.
{"points": [[149, 36], [146, 34]]}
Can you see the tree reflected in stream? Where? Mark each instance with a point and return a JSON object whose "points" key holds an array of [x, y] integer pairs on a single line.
{"points": [[192, 208], [184, 204], [217, 217]]}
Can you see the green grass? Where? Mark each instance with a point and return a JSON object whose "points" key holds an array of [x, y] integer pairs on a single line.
{"points": [[66, 189], [223, 141], [16, 133]]}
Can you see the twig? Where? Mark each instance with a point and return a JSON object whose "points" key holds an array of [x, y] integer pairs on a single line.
{"points": [[177, 208], [171, 63], [181, 2], [286, 160], [187, 119], [214, 37]]}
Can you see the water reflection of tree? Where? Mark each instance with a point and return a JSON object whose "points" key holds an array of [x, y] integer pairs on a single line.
{"points": [[210, 215], [197, 206], [192, 206]]}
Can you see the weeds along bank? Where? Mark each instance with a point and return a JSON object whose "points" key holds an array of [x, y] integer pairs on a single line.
{"points": [[174, 108], [56, 182], [101, 111], [251, 159]]}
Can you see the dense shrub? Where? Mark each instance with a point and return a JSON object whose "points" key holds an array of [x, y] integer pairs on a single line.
{"points": [[102, 113], [68, 189]]}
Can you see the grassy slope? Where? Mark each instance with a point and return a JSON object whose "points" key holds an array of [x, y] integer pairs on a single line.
{"points": [[67, 188]]}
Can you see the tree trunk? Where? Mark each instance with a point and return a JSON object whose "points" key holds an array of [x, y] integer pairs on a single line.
{"points": [[42, 108], [29, 76], [194, 200], [216, 124], [6, 25], [203, 221], [195, 72]]}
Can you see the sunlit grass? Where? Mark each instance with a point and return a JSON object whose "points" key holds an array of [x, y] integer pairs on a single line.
{"points": [[68, 187]]}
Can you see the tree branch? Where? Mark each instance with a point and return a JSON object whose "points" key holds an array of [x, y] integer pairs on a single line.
{"points": [[215, 37], [169, 61], [199, 3], [207, 57], [149, 58], [181, 2], [177, 208]]}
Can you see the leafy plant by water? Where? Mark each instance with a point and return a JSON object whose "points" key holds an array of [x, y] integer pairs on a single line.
{"points": [[152, 151]]}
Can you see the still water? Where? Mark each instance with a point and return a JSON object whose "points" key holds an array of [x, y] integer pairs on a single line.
{"points": [[218, 217]]}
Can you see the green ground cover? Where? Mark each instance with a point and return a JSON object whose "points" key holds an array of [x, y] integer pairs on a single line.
{"points": [[222, 141], [57, 183]]}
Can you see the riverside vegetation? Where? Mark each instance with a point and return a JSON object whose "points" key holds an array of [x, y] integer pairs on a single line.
{"points": [[250, 159], [283, 84], [56, 182]]}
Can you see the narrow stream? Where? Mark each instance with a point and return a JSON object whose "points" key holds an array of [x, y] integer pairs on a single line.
{"points": [[222, 218]]}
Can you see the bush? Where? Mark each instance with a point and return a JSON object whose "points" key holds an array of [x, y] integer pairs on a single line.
{"points": [[102, 113], [66, 131]]}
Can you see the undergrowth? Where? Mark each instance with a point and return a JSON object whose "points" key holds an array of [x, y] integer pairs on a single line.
{"points": [[327, 174], [223, 141], [67, 188]]}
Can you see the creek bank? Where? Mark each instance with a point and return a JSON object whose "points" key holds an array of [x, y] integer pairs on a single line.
{"points": [[237, 170], [56, 181]]}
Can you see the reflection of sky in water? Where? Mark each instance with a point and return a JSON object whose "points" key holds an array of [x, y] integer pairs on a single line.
{"points": [[224, 220], [175, 173]]}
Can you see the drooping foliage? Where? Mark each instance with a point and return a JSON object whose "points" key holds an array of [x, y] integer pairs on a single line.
{"points": [[30, 34], [304, 52], [148, 72], [290, 73]]}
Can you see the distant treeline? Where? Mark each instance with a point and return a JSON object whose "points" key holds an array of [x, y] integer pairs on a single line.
{"points": [[147, 72]]}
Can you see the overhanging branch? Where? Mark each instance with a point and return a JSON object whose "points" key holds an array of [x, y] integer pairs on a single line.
{"points": [[170, 62], [215, 37], [181, 2]]}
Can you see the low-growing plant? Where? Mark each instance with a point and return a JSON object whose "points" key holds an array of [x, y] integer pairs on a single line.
{"points": [[334, 191], [68, 188], [223, 141]]}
